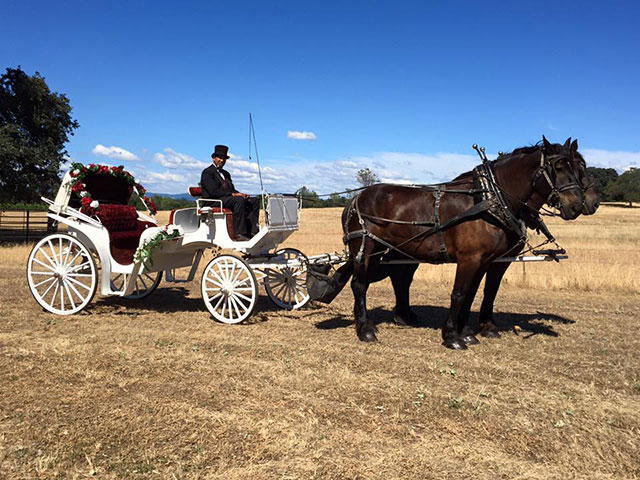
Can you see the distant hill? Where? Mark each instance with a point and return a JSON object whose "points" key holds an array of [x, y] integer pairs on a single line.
{"points": [[177, 196]]}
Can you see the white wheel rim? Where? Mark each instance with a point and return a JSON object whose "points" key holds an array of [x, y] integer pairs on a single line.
{"points": [[229, 289], [146, 283], [61, 274], [287, 287]]}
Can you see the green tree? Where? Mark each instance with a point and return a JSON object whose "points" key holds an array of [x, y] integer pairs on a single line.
{"points": [[625, 188], [601, 178], [309, 198], [366, 177], [335, 200], [35, 124]]}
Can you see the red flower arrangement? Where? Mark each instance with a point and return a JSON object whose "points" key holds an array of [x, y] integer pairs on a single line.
{"points": [[91, 206]]}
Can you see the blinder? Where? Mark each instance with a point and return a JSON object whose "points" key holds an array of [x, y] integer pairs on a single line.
{"points": [[547, 170]]}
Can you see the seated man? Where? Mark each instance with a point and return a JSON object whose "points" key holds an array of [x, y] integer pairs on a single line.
{"points": [[216, 184]]}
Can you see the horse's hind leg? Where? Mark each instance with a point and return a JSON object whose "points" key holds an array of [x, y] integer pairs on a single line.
{"points": [[401, 278], [491, 285]]}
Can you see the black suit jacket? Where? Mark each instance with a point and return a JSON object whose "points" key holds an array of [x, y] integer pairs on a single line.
{"points": [[212, 183]]}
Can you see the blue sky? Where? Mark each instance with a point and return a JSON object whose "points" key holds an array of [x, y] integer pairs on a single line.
{"points": [[403, 88]]}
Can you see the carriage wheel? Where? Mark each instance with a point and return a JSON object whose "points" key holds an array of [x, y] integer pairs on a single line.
{"points": [[287, 287], [229, 289], [62, 274], [146, 283]]}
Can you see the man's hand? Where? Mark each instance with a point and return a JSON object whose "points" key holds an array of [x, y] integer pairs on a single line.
{"points": [[243, 195]]}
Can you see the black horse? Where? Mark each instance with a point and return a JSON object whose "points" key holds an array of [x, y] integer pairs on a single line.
{"points": [[472, 221]]}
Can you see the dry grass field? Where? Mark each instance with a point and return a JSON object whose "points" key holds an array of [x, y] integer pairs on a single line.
{"points": [[157, 389]]}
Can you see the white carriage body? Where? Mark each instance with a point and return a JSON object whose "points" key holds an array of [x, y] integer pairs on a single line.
{"points": [[202, 227]]}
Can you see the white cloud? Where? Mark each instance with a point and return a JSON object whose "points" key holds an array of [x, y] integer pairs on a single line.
{"points": [[114, 152], [296, 135], [619, 160], [172, 159]]}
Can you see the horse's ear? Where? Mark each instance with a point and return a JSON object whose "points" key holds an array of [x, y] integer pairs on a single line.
{"points": [[567, 143], [545, 142], [574, 145]]}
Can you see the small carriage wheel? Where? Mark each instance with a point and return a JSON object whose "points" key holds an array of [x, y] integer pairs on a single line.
{"points": [[146, 283], [229, 289], [62, 274], [287, 287]]}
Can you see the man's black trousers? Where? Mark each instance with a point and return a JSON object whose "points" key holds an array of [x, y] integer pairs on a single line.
{"points": [[245, 214]]}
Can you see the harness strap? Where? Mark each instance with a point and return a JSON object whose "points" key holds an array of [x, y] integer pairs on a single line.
{"points": [[443, 248]]}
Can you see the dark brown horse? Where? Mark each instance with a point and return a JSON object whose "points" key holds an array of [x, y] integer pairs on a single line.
{"points": [[471, 221]]}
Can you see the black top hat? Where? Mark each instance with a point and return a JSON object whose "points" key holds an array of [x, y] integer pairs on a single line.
{"points": [[220, 151]]}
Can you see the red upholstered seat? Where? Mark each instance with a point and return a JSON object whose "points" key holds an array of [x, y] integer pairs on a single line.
{"points": [[121, 221], [197, 192]]}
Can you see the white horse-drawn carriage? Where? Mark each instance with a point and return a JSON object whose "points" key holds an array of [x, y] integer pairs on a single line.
{"points": [[110, 245]]}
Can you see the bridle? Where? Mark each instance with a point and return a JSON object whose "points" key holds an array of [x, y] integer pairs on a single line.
{"points": [[548, 169]]}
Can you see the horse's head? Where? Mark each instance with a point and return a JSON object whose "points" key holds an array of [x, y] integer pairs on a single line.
{"points": [[591, 199], [557, 179]]}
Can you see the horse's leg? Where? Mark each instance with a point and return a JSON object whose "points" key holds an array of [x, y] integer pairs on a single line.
{"points": [[492, 284], [401, 278], [455, 333], [365, 329]]}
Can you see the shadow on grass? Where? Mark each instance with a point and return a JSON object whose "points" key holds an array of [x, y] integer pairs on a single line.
{"points": [[435, 317], [174, 300]]}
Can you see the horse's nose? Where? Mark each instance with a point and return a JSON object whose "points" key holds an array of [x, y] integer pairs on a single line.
{"points": [[575, 210]]}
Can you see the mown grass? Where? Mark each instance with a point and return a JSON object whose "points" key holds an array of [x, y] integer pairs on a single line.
{"points": [[157, 389]]}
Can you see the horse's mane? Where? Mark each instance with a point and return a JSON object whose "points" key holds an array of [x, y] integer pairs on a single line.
{"points": [[506, 156]]}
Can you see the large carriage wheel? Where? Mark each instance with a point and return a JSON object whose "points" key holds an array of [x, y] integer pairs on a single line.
{"points": [[287, 287], [62, 274], [146, 283], [229, 289]]}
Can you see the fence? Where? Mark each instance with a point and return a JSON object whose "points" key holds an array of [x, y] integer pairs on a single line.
{"points": [[24, 225]]}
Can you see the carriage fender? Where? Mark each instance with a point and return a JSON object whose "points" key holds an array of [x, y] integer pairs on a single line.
{"points": [[96, 239]]}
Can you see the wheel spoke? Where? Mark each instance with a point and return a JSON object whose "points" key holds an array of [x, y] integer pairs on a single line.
{"points": [[77, 268], [209, 280], [72, 287], [243, 282], [144, 284], [50, 279], [48, 289], [212, 271], [224, 306], [80, 284], [240, 295], [51, 266], [53, 254], [49, 274], [62, 296], [244, 307], [66, 288], [229, 309], [80, 275], [78, 253], [235, 306], [219, 301], [55, 293], [277, 294]]}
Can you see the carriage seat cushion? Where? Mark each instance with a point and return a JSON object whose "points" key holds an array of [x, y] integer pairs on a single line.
{"points": [[118, 218], [121, 221]]}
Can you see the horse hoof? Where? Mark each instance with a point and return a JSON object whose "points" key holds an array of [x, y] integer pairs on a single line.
{"points": [[454, 344], [470, 340], [490, 334], [368, 337]]}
